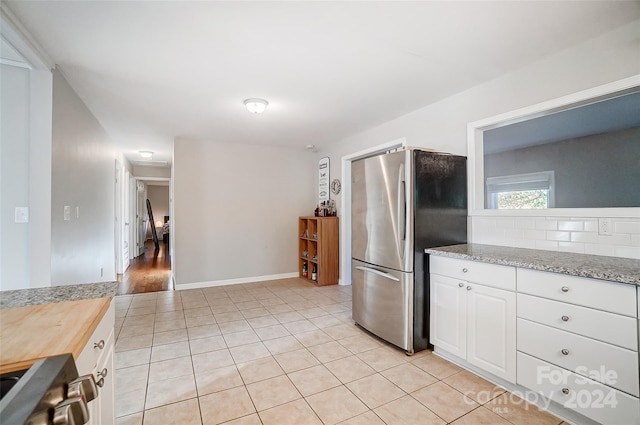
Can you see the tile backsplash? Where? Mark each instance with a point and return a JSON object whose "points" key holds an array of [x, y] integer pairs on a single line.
{"points": [[573, 234]]}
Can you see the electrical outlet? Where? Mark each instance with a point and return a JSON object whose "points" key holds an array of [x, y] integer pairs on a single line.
{"points": [[101, 271], [604, 226], [67, 212]]}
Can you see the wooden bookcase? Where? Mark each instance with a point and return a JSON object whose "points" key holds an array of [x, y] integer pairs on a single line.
{"points": [[318, 245]]}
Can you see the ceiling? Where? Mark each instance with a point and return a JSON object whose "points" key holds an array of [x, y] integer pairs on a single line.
{"points": [[153, 71]]}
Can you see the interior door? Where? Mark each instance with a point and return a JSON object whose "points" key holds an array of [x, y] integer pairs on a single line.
{"points": [[142, 219], [118, 218], [379, 210], [126, 219]]}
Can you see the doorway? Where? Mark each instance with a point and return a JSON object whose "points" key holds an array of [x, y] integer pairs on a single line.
{"points": [[150, 267]]}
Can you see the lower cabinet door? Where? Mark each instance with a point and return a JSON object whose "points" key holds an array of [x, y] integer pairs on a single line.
{"points": [[106, 412], [448, 320], [491, 330]]}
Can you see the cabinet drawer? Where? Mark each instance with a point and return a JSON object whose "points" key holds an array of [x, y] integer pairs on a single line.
{"points": [[589, 398], [501, 277], [608, 296], [104, 332], [584, 356], [596, 324]]}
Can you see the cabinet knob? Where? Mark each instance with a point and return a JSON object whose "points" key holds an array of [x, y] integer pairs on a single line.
{"points": [[565, 351], [99, 344], [465, 270], [461, 284], [565, 391], [565, 289], [102, 373], [468, 288], [565, 318]]}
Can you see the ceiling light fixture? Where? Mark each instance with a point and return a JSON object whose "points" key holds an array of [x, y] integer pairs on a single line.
{"points": [[146, 154], [256, 106]]}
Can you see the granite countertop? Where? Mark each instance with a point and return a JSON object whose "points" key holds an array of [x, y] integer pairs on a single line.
{"points": [[623, 270], [56, 294]]}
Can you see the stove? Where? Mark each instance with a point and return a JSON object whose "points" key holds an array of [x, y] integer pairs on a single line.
{"points": [[48, 393]]}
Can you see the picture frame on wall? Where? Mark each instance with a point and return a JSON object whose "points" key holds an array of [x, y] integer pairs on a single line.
{"points": [[323, 180]]}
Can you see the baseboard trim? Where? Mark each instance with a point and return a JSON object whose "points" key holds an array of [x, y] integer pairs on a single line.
{"points": [[213, 283]]}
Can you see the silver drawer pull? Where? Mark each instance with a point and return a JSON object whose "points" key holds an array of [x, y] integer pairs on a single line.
{"points": [[99, 345], [565, 289], [468, 288], [465, 270], [565, 391], [565, 318], [565, 351], [101, 374], [461, 284]]}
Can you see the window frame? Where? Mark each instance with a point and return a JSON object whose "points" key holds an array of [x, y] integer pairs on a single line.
{"points": [[541, 180]]}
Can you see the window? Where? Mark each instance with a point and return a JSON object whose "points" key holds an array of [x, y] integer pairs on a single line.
{"points": [[521, 191]]}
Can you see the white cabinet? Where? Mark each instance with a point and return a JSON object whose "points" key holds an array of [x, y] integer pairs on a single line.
{"points": [[491, 330], [448, 324], [97, 358], [474, 321], [577, 338], [578, 344]]}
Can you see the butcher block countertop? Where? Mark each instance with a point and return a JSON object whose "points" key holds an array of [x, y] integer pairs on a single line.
{"points": [[33, 332]]}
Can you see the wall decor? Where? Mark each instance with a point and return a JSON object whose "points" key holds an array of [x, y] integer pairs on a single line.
{"points": [[323, 179], [335, 186]]}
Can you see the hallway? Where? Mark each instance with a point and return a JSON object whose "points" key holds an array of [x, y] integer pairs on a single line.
{"points": [[150, 272]]}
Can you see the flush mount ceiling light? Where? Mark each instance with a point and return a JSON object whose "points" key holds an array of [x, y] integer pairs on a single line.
{"points": [[146, 154], [256, 106]]}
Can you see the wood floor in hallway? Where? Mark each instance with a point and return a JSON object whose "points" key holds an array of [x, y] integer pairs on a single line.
{"points": [[150, 272]]}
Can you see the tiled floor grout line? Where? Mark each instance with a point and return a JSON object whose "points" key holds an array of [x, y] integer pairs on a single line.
{"points": [[243, 296]]}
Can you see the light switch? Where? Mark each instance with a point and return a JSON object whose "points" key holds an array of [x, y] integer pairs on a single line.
{"points": [[22, 214], [77, 212], [67, 212]]}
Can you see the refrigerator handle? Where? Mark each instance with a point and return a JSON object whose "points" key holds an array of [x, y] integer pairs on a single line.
{"points": [[402, 208], [378, 272]]}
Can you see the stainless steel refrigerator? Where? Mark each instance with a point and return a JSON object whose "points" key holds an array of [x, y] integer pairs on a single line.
{"points": [[401, 203]]}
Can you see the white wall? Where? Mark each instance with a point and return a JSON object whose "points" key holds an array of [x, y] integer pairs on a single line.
{"points": [[83, 175], [443, 125], [25, 146], [236, 209], [146, 171], [14, 179]]}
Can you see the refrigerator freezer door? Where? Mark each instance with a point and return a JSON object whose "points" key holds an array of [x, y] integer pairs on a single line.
{"points": [[383, 303], [380, 222]]}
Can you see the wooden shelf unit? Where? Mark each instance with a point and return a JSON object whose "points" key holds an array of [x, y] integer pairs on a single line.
{"points": [[321, 250]]}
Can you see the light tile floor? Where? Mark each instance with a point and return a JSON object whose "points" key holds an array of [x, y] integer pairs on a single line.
{"points": [[284, 353]]}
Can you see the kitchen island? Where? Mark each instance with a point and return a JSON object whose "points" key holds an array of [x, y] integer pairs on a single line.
{"points": [[40, 323]]}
